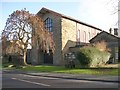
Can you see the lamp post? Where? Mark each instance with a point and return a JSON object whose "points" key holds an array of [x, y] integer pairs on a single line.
{"points": [[119, 31]]}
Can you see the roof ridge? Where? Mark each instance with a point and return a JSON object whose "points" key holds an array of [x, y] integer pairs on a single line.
{"points": [[105, 32], [111, 34], [68, 17]]}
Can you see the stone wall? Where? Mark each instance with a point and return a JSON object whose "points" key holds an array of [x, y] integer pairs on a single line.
{"points": [[69, 34]]}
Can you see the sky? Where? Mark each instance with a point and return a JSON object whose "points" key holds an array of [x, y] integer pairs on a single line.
{"points": [[99, 13]]}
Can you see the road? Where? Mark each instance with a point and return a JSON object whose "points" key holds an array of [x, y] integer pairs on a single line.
{"points": [[18, 80]]}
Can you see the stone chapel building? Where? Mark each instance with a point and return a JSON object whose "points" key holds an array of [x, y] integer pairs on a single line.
{"points": [[67, 32], [112, 41]]}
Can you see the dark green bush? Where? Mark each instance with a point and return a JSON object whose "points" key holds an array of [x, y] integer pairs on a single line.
{"points": [[92, 57]]}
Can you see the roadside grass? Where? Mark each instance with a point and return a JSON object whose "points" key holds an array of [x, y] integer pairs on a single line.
{"points": [[62, 69], [9, 66], [6, 65]]}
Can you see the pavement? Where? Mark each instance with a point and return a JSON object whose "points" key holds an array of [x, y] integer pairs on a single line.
{"points": [[102, 78]]}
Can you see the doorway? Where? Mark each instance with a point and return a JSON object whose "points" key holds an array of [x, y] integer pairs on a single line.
{"points": [[48, 57]]}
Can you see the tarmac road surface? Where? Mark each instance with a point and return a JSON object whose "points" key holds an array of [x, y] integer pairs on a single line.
{"points": [[18, 80]]}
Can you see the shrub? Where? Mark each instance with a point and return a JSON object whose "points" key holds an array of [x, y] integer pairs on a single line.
{"points": [[92, 57]]}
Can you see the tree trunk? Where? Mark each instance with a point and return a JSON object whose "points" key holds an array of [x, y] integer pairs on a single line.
{"points": [[25, 52]]}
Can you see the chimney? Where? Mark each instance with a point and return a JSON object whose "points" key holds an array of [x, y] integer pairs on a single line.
{"points": [[110, 30], [116, 31]]}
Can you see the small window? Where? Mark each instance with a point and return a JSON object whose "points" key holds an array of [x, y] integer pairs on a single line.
{"points": [[78, 35]]}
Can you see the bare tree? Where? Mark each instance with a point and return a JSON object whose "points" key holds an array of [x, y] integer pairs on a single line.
{"points": [[114, 5], [116, 10], [40, 35], [23, 29]]}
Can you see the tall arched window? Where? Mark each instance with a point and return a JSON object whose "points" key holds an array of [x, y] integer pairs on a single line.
{"points": [[89, 36], [78, 37], [84, 36], [49, 24]]}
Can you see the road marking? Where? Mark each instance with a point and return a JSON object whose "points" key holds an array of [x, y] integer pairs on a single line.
{"points": [[31, 82], [40, 77]]}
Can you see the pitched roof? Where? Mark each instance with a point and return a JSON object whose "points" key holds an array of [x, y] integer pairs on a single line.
{"points": [[44, 10], [117, 37]]}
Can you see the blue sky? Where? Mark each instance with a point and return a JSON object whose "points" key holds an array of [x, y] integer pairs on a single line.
{"points": [[95, 12], [34, 7]]}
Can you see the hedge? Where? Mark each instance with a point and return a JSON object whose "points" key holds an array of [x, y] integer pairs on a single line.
{"points": [[92, 57]]}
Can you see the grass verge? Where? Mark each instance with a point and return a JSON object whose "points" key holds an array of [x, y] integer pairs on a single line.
{"points": [[61, 69]]}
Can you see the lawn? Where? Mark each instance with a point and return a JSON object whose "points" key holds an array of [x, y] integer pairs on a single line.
{"points": [[61, 69]]}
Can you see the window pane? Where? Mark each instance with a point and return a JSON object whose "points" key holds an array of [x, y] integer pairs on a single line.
{"points": [[48, 24]]}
